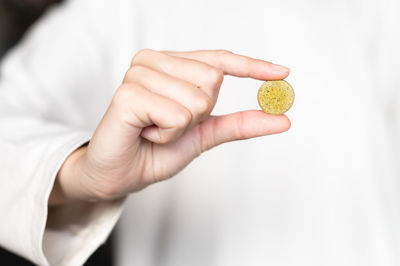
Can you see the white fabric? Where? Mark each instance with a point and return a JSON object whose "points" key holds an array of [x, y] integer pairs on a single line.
{"points": [[325, 193]]}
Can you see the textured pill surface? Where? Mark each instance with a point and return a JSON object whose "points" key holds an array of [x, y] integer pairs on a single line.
{"points": [[275, 97]]}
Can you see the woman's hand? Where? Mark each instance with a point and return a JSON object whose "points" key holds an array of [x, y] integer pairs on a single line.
{"points": [[159, 120]]}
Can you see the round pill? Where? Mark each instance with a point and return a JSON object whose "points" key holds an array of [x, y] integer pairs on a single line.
{"points": [[275, 97]]}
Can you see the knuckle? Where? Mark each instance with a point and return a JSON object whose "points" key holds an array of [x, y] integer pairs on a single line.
{"points": [[125, 93], [182, 119], [202, 104], [137, 69], [215, 77], [140, 54], [134, 71], [240, 126], [223, 52]]}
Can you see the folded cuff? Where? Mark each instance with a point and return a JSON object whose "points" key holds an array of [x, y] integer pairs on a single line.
{"points": [[69, 234]]}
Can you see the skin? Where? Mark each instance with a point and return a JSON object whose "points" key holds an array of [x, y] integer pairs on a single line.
{"points": [[159, 120]]}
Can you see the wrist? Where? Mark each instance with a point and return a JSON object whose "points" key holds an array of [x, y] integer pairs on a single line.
{"points": [[67, 185]]}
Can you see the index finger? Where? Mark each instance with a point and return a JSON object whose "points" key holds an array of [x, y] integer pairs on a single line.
{"points": [[236, 65]]}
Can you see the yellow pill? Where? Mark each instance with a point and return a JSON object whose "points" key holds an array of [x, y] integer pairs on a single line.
{"points": [[275, 97]]}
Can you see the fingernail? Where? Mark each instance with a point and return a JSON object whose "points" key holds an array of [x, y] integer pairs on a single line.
{"points": [[280, 68]]}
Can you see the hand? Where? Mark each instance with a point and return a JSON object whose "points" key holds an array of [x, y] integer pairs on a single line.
{"points": [[159, 120]]}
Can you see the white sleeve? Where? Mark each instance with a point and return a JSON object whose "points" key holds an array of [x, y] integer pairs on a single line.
{"points": [[53, 91]]}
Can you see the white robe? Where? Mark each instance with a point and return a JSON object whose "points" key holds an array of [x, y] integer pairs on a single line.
{"points": [[325, 193]]}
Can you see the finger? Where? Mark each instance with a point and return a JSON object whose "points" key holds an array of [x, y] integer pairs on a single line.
{"points": [[204, 76], [185, 93], [139, 108], [237, 126], [237, 65]]}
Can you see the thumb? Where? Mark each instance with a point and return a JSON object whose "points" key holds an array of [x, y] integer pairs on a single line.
{"points": [[241, 125]]}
